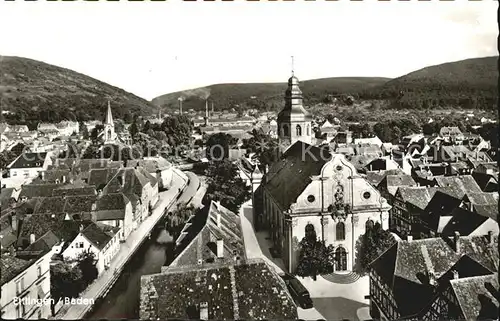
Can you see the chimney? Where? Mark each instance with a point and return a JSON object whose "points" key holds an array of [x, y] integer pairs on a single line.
{"points": [[409, 238], [218, 220], [456, 241], [180, 106], [491, 239], [64, 179], [206, 108], [32, 238], [42, 174], [81, 227], [204, 311], [455, 275], [220, 248]]}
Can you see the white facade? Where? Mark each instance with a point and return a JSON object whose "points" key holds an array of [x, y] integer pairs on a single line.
{"points": [[29, 172], [31, 284], [81, 244]]}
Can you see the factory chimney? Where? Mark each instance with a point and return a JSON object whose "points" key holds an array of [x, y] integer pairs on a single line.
{"points": [[212, 109], [206, 108], [180, 105]]}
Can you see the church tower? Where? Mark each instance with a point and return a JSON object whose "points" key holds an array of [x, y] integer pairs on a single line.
{"points": [[294, 122], [109, 126]]}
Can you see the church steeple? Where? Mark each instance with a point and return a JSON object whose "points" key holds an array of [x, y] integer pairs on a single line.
{"points": [[294, 121], [109, 116], [109, 126]]}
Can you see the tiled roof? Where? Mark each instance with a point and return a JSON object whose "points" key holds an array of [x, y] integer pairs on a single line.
{"points": [[29, 160], [476, 295], [482, 198], [458, 185], [406, 265], [177, 293], [101, 176], [490, 211], [44, 243], [38, 190], [8, 237], [395, 181], [462, 221], [292, 174], [39, 224], [417, 196], [70, 190], [203, 245], [128, 181], [96, 236], [360, 161], [151, 164], [111, 207], [11, 267]]}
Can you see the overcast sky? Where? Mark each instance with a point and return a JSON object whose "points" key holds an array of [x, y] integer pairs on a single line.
{"points": [[151, 48]]}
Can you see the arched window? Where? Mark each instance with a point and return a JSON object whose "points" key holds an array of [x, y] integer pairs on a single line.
{"points": [[109, 134], [340, 231], [308, 130], [285, 130], [299, 130], [340, 259]]}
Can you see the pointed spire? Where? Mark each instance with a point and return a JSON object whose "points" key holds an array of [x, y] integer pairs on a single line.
{"points": [[109, 116]]}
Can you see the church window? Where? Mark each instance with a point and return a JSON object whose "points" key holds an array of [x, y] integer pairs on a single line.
{"points": [[285, 130], [299, 130], [339, 168], [311, 198], [366, 195], [340, 231], [340, 259]]}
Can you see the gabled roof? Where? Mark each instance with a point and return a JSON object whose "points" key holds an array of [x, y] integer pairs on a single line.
{"points": [[101, 176], [257, 291], [477, 296], [128, 181], [458, 185], [29, 160], [392, 182], [220, 224], [12, 266], [44, 243], [111, 207], [38, 190], [71, 190], [416, 196], [152, 165], [292, 174], [406, 265], [97, 236]]}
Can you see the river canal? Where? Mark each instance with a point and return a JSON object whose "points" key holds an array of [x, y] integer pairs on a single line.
{"points": [[122, 301]]}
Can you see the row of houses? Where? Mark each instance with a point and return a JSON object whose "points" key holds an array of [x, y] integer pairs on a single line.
{"points": [[72, 206]]}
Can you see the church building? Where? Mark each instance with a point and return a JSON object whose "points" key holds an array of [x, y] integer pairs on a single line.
{"points": [[312, 187], [109, 127]]}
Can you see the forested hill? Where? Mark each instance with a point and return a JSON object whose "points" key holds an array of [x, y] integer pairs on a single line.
{"points": [[470, 83], [36, 91], [264, 95]]}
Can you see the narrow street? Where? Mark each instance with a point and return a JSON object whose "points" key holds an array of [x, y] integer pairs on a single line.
{"points": [[331, 301]]}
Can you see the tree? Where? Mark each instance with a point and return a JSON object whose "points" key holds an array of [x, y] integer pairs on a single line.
{"points": [[266, 149], [133, 129], [94, 134], [218, 146], [65, 282], [87, 265], [315, 257], [178, 218], [225, 185], [371, 245], [7, 157], [83, 130]]}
